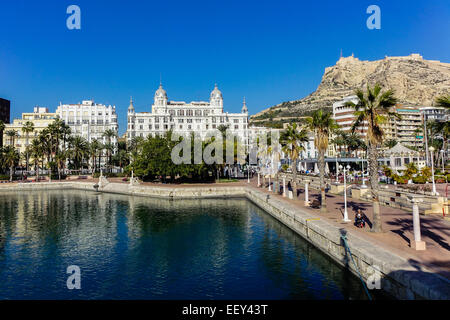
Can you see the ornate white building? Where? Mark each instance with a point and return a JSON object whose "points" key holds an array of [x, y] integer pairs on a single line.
{"points": [[184, 118], [90, 120]]}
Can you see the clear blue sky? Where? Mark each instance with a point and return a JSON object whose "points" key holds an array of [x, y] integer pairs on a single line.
{"points": [[267, 51]]}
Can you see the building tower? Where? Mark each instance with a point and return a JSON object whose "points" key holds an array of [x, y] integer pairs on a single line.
{"points": [[216, 99], [161, 97]]}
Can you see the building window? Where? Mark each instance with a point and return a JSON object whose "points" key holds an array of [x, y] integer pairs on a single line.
{"points": [[149, 127]]}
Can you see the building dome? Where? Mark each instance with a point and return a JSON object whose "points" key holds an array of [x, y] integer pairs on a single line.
{"points": [[160, 93], [216, 94]]}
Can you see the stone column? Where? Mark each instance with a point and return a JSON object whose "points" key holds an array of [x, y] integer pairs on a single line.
{"points": [[417, 243], [284, 186], [259, 181], [270, 187], [306, 193]]}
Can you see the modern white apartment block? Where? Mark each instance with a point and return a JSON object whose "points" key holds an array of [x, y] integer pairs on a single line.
{"points": [[90, 120], [185, 118], [434, 113], [344, 115]]}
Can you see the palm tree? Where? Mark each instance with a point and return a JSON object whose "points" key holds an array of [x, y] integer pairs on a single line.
{"points": [[60, 159], [2, 128], [11, 156], [390, 143], [46, 140], [27, 128], [109, 134], [323, 125], [443, 101], [78, 150], [36, 152], [12, 134], [373, 107], [292, 140], [94, 148]]}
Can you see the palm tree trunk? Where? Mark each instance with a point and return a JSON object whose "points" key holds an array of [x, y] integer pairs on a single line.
{"points": [[294, 176], [323, 204], [11, 168], [373, 165]]}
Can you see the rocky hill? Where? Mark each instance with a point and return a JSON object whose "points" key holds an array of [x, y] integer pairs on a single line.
{"points": [[416, 81]]}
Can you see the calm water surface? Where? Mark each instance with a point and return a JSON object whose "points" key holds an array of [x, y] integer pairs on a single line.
{"points": [[141, 248]]}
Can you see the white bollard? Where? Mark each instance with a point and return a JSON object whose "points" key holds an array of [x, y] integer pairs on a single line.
{"points": [[417, 243]]}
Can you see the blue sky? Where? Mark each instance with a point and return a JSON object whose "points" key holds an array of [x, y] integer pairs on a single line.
{"points": [[267, 51]]}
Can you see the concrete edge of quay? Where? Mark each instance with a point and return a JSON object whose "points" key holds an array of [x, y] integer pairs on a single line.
{"points": [[399, 278]]}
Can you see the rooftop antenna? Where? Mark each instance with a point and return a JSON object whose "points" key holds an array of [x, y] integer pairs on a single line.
{"points": [[341, 54], [160, 79]]}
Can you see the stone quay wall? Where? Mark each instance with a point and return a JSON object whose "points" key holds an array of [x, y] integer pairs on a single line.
{"points": [[398, 277]]}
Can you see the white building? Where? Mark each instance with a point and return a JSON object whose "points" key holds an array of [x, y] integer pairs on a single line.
{"points": [[90, 120], [434, 113], [344, 115], [185, 118]]}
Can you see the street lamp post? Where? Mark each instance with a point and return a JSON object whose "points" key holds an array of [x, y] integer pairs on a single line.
{"points": [[442, 158], [248, 173], [363, 179], [337, 170], [346, 219], [432, 169]]}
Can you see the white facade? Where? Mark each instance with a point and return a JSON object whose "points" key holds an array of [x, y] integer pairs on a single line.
{"points": [[344, 115], [185, 118], [90, 120], [435, 113]]}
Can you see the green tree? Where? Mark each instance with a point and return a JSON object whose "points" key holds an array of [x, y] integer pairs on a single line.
{"points": [[291, 140], [36, 153], [109, 134], [11, 156], [27, 128], [374, 108], [12, 134], [323, 125]]}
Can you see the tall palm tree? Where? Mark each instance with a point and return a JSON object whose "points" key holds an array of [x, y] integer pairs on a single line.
{"points": [[323, 125], [443, 101], [2, 128], [36, 152], [46, 139], [78, 150], [60, 159], [109, 134], [374, 107], [12, 134], [94, 148], [27, 128], [292, 139], [11, 156]]}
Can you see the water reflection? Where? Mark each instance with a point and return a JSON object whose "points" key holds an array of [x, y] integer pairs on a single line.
{"points": [[147, 248]]}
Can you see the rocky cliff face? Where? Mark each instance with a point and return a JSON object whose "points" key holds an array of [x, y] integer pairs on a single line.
{"points": [[415, 81]]}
